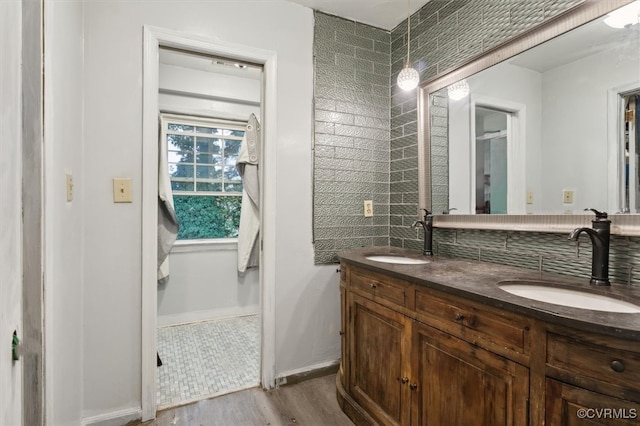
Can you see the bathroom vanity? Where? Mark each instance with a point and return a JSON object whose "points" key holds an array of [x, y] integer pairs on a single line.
{"points": [[440, 343]]}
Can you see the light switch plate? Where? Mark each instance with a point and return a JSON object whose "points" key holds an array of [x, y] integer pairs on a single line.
{"points": [[368, 208], [529, 197], [69, 182], [122, 190]]}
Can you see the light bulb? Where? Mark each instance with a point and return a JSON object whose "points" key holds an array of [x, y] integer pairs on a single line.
{"points": [[458, 90], [408, 78]]}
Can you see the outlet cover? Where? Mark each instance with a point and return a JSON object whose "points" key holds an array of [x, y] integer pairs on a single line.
{"points": [[368, 208], [567, 196]]}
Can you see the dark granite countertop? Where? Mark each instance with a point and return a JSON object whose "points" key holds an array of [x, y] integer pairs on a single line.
{"points": [[477, 281]]}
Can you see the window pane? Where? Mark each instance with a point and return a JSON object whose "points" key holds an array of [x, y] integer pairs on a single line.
{"points": [[209, 172], [180, 127], [208, 145], [208, 186], [233, 187], [231, 151], [231, 173], [208, 159], [182, 143], [209, 130], [180, 170], [239, 133], [207, 216], [181, 186]]}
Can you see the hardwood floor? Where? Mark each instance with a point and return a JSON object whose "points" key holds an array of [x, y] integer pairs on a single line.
{"points": [[308, 403]]}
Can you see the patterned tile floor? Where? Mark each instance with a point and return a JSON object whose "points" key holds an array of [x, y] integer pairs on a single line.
{"points": [[208, 358]]}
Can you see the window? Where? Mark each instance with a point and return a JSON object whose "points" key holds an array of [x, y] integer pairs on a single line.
{"points": [[207, 188]]}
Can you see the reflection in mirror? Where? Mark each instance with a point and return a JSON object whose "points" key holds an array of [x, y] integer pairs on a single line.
{"points": [[548, 131], [631, 170]]}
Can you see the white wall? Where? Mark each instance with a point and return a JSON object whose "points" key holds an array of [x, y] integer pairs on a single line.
{"points": [[525, 87], [221, 96], [204, 284], [10, 232], [307, 298], [575, 126], [64, 221]]}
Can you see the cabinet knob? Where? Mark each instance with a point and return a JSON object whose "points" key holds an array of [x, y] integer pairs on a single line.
{"points": [[404, 380], [413, 386], [341, 333], [458, 316], [617, 366], [373, 285]]}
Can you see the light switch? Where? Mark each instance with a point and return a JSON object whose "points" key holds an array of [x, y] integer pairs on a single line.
{"points": [[122, 190], [69, 180], [368, 208], [529, 197]]}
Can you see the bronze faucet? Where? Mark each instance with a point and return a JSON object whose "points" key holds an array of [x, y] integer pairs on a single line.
{"points": [[427, 225], [599, 234]]}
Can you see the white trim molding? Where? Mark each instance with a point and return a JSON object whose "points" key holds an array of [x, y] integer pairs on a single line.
{"points": [[154, 38]]}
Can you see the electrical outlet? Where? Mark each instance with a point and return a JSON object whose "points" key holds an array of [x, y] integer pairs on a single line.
{"points": [[122, 190], [529, 197], [567, 196], [368, 208], [69, 180]]}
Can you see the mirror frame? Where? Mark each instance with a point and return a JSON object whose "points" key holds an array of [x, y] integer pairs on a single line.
{"points": [[589, 10]]}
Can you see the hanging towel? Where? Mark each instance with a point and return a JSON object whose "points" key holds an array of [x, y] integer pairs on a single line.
{"points": [[167, 220], [248, 159]]}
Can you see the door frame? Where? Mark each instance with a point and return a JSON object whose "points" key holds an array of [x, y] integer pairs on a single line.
{"points": [[615, 134], [516, 140], [155, 37]]}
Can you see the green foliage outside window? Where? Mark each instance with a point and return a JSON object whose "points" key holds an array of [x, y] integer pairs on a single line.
{"points": [[202, 217]]}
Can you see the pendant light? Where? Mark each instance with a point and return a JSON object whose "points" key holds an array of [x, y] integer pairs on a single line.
{"points": [[408, 78]]}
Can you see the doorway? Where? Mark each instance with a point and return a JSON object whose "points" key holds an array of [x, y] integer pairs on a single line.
{"points": [[155, 39]]}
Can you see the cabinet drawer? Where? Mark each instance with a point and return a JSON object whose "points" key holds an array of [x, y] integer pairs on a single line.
{"points": [[596, 361], [498, 329], [380, 286]]}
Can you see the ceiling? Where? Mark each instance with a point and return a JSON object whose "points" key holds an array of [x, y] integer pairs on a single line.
{"points": [[385, 14]]}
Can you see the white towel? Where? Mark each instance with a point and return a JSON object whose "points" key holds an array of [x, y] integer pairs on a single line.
{"points": [[248, 160]]}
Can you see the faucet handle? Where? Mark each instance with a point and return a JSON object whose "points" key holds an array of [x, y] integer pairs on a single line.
{"points": [[426, 214], [599, 214]]}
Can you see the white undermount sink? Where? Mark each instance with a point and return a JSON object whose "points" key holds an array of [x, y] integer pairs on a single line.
{"points": [[567, 297], [397, 259]]}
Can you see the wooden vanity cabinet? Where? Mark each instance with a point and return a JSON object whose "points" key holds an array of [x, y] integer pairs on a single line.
{"points": [[416, 356], [399, 370]]}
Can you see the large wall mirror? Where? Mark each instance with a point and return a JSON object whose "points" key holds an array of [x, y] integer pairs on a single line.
{"points": [[545, 125]]}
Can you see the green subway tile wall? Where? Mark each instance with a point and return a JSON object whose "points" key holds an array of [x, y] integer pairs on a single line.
{"points": [[366, 137], [351, 148]]}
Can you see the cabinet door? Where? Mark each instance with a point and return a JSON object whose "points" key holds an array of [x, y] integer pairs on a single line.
{"points": [[457, 383], [568, 405], [377, 367]]}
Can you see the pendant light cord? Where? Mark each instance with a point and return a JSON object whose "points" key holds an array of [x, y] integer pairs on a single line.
{"points": [[408, 30]]}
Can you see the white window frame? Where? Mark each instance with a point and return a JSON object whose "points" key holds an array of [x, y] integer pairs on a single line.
{"points": [[165, 119]]}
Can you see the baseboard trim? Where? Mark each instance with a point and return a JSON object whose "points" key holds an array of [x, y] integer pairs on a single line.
{"points": [[307, 373], [115, 418], [209, 315]]}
